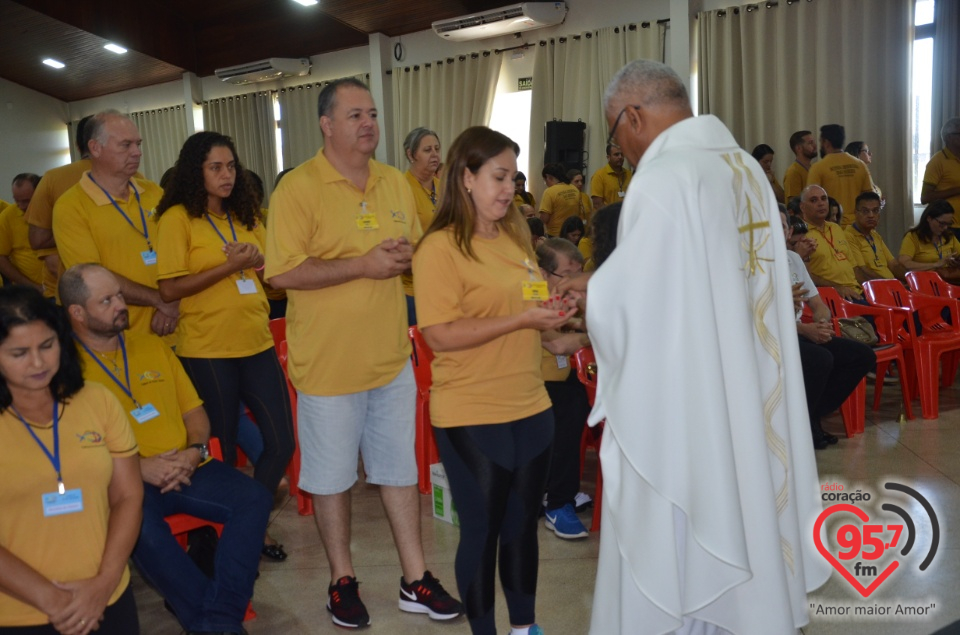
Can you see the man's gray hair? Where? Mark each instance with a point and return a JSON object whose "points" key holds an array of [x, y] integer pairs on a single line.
{"points": [[648, 83], [951, 126], [95, 127], [72, 288], [810, 188], [414, 137], [327, 98]]}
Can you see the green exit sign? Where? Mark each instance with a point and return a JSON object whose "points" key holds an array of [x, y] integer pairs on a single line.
{"points": [[525, 83]]}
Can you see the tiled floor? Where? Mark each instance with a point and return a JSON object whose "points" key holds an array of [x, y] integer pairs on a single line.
{"points": [[290, 596]]}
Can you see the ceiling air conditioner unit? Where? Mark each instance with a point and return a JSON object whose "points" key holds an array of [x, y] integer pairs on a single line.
{"points": [[504, 21], [264, 70]]}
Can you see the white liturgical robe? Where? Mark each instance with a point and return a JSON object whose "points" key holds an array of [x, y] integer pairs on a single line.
{"points": [[710, 484]]}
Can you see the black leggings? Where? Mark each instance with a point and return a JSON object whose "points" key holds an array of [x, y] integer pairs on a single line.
{"points": [[258, 380], [120, 618], [497, 474]]}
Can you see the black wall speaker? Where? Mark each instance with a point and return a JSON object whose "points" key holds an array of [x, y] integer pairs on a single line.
{"points": [[563, 143]]}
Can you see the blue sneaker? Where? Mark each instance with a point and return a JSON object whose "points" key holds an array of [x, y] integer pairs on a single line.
{"points": [[564, 523], [535, 630]]}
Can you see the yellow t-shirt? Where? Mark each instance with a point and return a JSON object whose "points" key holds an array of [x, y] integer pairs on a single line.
{"points": [[833, 258], [794, 180], [349, 337], [561, 201], [875, 256], [93, 431], [586, 207], [943, 173], [156, 378], [844, 177], [609, 185], [426, 208], [585, 246], [924, 252], [496, 382], [218, 322], [519, 201], [88, 228], [550, 367], [15, 244], [272, 294]]}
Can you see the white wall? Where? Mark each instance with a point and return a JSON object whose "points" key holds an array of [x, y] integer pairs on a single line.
{"points": [[32, 134]]}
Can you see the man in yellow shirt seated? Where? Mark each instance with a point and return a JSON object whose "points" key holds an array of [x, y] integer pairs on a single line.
{"points": [[833, 262], [609, 183], [863, 237], [172, 431], [19, 264]]}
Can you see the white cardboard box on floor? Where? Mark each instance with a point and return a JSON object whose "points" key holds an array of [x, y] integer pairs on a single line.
{"points": [[443, 507]]}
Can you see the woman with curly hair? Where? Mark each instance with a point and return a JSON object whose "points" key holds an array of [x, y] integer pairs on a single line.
{"points": [[209, 256]]}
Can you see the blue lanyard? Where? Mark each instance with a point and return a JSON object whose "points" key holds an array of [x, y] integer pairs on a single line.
{"points": [[869, 239], [939, 247], [55, 457], [232, 230], [143, 216], [126, 369]]}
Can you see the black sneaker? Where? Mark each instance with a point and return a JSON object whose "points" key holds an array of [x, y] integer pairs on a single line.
{"points": [[345, 606], [427, 595]]}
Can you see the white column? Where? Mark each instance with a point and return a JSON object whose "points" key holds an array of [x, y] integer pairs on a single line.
{"points": [[380, 56]]}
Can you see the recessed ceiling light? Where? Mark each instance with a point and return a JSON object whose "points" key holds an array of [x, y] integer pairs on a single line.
{"points": [[119, 50], [306, 3], [53, 63]]}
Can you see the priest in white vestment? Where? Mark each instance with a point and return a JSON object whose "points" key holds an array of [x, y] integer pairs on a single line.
{"points": [[710, 485]]}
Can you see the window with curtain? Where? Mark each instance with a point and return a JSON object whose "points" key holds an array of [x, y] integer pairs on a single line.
{"points": [[446, 96], [163, 132], [249, 120], [768, 72], [570, 75]]}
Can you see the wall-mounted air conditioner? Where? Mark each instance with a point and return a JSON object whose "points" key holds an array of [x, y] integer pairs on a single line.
{"points": [[264, 70], [504, 21]]}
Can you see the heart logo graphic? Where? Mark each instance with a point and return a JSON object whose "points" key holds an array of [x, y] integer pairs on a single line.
{"points": [[853, 538]]}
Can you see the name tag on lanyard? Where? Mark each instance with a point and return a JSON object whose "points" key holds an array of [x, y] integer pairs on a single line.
{"points": [[57, 504], [246, 286], [145, 413], [149, 257], [537, 291]]}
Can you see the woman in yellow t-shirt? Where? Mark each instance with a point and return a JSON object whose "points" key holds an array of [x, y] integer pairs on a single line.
{"points": [[478, 288], [72, 495], [764, 156], [931, 245], [422, 148], [575, 177], [209, 242]]}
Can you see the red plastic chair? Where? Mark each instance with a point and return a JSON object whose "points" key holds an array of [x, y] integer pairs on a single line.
{"points": [[182, 524], [930, 283], [922, 352], [425, 445], [585, 363], [304, 499], [888, 350], [278, 329]]}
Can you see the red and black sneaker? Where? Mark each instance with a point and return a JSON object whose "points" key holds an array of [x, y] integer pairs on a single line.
{"points": [[345, 606], [427, 595]]}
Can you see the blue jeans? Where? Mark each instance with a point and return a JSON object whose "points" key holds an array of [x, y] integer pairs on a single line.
{"points": [[220, 494]]}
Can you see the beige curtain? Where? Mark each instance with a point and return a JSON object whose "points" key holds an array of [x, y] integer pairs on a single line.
{"points": [[249, 120], [163, 132], [570, 75], [768, 72], [447, 96], [299, 121], [72, 133], [946, 67]]}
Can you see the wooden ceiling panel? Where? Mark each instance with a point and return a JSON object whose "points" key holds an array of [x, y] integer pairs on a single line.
{"points": [[400, 18]]}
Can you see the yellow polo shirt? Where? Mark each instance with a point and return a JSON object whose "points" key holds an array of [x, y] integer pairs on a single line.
{"points": [[609, 185], [501, 380], [943, 173], [426, 208], [15, 244], [156, 378], [794, 180], [844, 177], [586, 207], [924, 252], [875, 255], [561, 201], [93, 431], [218, 322], [88, 228], [350, 337], [833, 258]]}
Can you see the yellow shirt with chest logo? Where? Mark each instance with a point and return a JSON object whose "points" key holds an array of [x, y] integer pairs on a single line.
{"points": [[349, 337], [426, 208], [157, 378], [875, 256], [501, 380], [833, 258], [921, 251]]}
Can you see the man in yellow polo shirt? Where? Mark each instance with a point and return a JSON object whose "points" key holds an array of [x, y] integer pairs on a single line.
{"points": [[340, 235], [844, 177], [941, 178], [172, 431], [19, 264], [107, 218], [804, 148], [833, 262], [609, 183], [863, 237]]}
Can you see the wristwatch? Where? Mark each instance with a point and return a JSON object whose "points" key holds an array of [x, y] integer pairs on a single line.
{"points": [[204, 450]]}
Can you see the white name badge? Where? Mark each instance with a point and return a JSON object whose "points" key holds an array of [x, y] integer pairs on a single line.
{"points": [[57, 504], [145, 413], [562, 362], [149, 257], [621, 194], [246, 286]]}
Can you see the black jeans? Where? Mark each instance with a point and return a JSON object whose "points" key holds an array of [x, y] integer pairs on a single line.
{"points": [[570, 411], [831, 371]]}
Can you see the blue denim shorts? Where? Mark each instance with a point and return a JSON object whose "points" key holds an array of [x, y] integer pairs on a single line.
{"points": [[376, 424]]}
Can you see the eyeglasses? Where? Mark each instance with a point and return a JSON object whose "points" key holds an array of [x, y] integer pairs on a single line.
{"points": [[616, 122], [942, 223]]}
